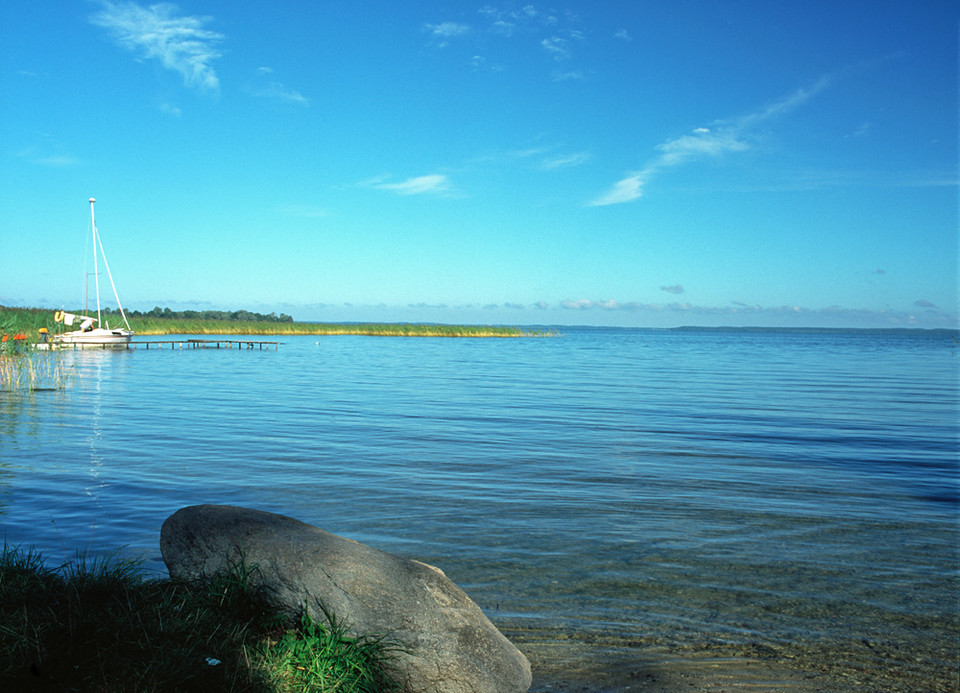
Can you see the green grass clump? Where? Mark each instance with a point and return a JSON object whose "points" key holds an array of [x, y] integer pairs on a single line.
{"points": [[100, 625], [314, 652]]}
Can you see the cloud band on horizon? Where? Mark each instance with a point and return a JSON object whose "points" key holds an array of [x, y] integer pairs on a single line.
{"points": [[737, 308]]}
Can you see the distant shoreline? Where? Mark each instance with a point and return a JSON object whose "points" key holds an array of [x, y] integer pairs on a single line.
{"points": [[387, 329], [31, 319], [822, 330], [336, 329], [932, 331]]}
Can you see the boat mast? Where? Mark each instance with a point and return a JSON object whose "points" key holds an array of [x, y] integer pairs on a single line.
{"points": [[96, 275], [97, 245]]}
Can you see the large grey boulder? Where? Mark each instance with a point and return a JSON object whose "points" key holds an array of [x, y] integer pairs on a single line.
{"points": [[448, 645]]}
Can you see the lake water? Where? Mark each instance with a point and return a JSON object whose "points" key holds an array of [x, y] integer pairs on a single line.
{"points": [[619, 502]]}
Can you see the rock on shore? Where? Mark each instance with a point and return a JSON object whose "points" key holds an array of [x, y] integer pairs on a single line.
{"points": [[448, 645]]}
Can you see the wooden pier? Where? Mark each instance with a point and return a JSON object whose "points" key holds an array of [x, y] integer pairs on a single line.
{"points": [[163, 343], [203, 344]]}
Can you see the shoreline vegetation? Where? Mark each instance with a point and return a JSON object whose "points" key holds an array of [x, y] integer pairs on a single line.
{"points": [[26, 369], [29, 321], [23, 368], [163, 321], [99, 624]]}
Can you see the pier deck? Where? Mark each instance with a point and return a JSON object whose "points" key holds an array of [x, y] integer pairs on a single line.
{"points": [[171, 343], [203, 344]]}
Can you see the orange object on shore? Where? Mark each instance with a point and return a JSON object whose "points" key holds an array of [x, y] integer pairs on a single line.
{"points": [[19, 336]]}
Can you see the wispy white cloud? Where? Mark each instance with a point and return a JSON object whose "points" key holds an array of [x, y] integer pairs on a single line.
{"points": [[564, 161], [447, 29], [61, 161], [673, 289], [862, 130], [503, 22], [442, 33], [503, 27], [541, 157], [556, 47], [605, 304], [624, 190], [266, 87], [567, 76], [440, 306], [434, 184], [51, 154], [556, 33], [724, 137], [513, 155], [158, 32], [701, 142], [921, 314]]}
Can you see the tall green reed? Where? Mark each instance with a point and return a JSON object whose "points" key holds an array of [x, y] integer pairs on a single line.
{"points": [[24, 364]]}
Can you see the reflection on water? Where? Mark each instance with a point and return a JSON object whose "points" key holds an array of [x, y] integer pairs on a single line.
{"points": [[604, 496], [94, 373]]}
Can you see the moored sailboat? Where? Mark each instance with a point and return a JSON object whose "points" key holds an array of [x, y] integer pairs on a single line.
{"points": [[94, 332]]}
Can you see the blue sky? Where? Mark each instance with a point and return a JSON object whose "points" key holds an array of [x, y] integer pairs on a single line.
{"points": [[607, 163]]}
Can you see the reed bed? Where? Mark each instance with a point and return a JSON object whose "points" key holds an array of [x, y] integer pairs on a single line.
{"points": [[30, 320], [160, 326], [26, 369], [22, 367]]}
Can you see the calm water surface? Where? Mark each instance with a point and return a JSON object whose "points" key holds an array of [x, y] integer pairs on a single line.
{"points": [[602, 495]]}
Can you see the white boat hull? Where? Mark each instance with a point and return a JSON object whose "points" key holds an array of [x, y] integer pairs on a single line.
{"points": [[97, 338]]}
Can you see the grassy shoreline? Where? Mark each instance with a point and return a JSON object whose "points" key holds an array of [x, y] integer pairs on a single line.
{"points": [[162, 327], [29, 320]]}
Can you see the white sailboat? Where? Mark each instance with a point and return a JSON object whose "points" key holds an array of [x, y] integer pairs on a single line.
{"points": [[88, 336]]}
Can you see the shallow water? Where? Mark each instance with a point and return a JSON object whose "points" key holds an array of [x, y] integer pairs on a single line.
{"points": [[609, 497]]}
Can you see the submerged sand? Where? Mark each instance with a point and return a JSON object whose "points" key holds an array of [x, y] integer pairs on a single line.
{"points": [[659, 669]]}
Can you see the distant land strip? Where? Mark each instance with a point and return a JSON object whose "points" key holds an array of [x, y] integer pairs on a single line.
{"points": [[167, 322], [166, 327]]}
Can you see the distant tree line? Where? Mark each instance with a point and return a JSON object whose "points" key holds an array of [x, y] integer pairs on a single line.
{"points": [[226, 315]]}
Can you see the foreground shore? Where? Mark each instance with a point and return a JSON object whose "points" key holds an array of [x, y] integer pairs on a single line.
{"points": [[164, 634], [663, 669]]}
